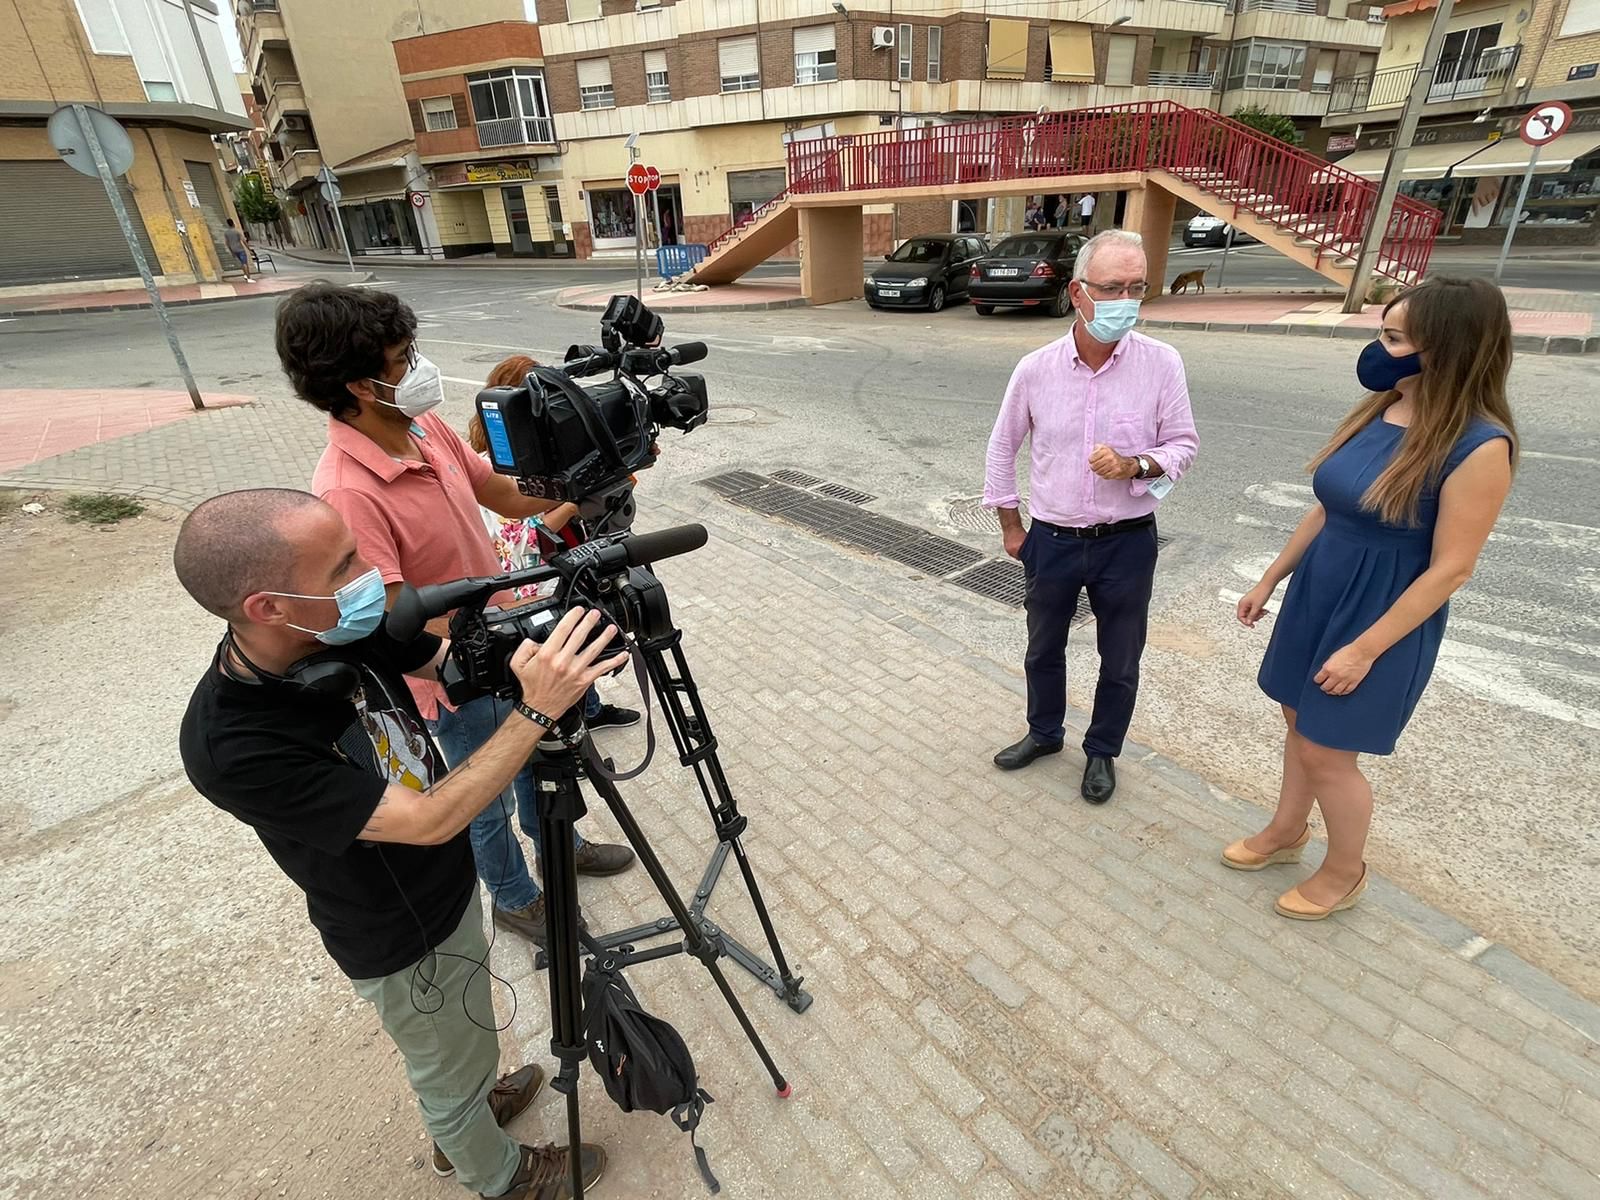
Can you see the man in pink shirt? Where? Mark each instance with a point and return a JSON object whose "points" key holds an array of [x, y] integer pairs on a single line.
{"points": [[409, 489], [1106, 411]]}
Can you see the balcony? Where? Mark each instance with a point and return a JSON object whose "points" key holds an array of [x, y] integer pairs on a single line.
{"points": [[285, 96], [516, 131], [300, 167], [1304, 7], [259, 28], [1183, 79], [1456, 79]]}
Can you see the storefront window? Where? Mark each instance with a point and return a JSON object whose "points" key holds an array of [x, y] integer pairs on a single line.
{"points": [[378, 226], [1570, 198], [611, 213]]}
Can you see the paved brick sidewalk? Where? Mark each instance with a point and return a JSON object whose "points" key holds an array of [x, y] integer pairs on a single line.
{"points": [[175, 295], [40, 423], [1016, 995]]}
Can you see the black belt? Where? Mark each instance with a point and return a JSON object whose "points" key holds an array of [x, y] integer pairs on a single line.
{"points": [[1095, 531]]}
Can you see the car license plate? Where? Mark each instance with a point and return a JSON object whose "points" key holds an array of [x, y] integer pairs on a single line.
{"points": [[892, 293], [1005, 271]]}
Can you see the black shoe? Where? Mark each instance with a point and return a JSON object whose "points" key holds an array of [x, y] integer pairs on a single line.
{"points": [[1099, 779], [1014, 758], [612, 717]]}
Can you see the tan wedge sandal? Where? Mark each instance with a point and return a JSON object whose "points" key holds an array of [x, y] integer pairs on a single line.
{"points": [[1241, 858]]}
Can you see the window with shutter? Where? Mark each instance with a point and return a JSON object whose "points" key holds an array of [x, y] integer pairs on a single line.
{"points": [[903, 44], [1119, 59], [935, 52], [105, 31], [594, 84], [1008, 49], [657, 86], [815, 60], [439, 113], [739, 65], [583, 10]]}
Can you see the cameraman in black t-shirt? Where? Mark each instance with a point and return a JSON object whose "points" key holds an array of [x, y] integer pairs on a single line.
{"points": [[322, 752]]}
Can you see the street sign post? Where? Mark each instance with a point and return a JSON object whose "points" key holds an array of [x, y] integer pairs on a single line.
{"points": [[1540, 127], [639, 184], [328, 185], [93, 144]]}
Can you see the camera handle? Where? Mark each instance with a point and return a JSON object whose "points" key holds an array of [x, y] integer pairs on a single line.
{"points": [[593, 424]]}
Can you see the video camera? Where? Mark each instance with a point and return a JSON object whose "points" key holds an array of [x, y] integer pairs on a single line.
{"points": [[610, 574], [563, 442]]}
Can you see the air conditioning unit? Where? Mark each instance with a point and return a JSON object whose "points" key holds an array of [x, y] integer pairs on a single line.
{"points": [[298, 124], [882, 37]]}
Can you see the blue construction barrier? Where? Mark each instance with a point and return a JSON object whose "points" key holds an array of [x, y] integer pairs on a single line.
{"points": [[672, 261]]}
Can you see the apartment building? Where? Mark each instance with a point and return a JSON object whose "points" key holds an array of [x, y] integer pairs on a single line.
{"points": [[716, 89], [327, 80], [160, 68], [1498, 61], [485, 134]]}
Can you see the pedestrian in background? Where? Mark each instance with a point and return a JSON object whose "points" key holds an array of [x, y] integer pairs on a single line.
{"points": [[1106, 411], [1407, 491], [1086, 204], [238, 246]]}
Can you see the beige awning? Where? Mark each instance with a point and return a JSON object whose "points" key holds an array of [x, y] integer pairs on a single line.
{"points": [[1008, 48], [1423, 162], [1071, 51], [1510, 156]]}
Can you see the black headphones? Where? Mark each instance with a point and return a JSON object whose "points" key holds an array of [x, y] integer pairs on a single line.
{"points": [[327, 674]]}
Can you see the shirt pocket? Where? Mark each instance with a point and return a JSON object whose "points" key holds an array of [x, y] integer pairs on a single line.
{"points": [[1129, 433]]}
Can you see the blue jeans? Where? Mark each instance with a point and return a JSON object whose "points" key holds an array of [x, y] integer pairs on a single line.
{"points": [[495, 848]]}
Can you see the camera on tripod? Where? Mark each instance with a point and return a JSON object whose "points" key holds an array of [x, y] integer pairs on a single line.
{"points": [[611, 574], [564, 442]]}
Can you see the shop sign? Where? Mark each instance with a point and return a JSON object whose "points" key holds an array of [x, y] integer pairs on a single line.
{"points": [[1341, 141], [498, 172], [1583, 71]]}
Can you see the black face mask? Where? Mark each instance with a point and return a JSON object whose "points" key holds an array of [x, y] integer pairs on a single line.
{"points": [[1379, 371]]}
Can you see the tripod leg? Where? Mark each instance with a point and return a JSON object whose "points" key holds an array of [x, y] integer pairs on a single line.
{"points": [[560, 805], [697, 748], [705, 944]]}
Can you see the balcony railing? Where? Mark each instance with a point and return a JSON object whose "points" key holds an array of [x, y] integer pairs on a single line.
{"points": [[1306, 7], [1456, 79], [516, 131], [300, 166], [1183, 79]]}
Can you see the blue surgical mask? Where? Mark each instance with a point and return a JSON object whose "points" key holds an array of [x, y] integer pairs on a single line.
{"points": [[361, 604], [1379, 371], [1112, 320]]}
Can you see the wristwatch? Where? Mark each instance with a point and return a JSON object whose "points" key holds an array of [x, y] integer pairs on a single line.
{"points": [[1145, 466]]}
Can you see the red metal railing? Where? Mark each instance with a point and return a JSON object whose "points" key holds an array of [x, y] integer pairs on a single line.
{"points": [[1315, 200]]}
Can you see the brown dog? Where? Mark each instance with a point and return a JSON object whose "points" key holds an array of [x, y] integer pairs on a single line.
{"points": [[1198, 278]]}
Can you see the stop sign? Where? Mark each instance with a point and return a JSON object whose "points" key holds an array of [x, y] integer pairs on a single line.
{"points": [[652, 178], [638, 179]]}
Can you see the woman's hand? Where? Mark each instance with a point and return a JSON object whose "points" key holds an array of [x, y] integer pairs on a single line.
{"points": [[1253, 605], [556, 519], [1344, 671]]}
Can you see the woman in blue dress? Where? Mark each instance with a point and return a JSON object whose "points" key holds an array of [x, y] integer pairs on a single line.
{"points": [[1407, 491]]}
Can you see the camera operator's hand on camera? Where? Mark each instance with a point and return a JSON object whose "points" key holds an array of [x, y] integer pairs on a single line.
{"points": [[557, 518], [555, 675]]}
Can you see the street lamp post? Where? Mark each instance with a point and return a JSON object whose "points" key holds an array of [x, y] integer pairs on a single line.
{"points": [[1378, 224]]}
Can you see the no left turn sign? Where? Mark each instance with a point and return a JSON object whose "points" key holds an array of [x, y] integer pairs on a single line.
{"points": [[1546, 123]]}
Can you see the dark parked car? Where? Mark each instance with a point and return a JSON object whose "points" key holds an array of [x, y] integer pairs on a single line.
{"points": [[925, 272], [1027, 271]]}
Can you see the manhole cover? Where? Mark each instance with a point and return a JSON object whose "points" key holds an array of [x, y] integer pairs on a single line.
{"points": [[969, 513], [731, 414], [999, 579]]}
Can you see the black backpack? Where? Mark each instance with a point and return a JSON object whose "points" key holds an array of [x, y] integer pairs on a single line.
{"points": [[642, 1059]]}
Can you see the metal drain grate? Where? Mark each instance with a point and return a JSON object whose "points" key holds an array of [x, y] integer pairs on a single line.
{"points": [[999, 579], [774, 499], [878, 534], [933, 555], [735, 483], [798, 478], [848, 494], [822, 516]]}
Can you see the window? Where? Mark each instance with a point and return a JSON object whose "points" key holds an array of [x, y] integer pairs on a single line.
{"points": [[1583, 16], [739, 65], [492, 99], [1458, 59], [904, 42], [438, 114], [935, 52], [104, 29], [1322, 76], [594, 84], [583, 10], [1267, 66], [509, 107], [1069, 52], [657, 87], [1119, 59], [815, 60], [1008, 49], [158, 91]]}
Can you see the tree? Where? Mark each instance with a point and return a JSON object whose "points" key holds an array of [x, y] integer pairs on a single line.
{"points": [[1274, 125], [254, 202]]}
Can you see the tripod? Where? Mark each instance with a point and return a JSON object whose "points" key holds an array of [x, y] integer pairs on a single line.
{"points": [[697, 748], [557, 770]]}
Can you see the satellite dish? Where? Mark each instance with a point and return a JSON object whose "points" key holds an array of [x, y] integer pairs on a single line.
{"points": [[67, 136]]}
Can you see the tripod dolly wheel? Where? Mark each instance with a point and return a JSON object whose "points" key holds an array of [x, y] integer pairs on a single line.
{"points": [[786, 1091]]}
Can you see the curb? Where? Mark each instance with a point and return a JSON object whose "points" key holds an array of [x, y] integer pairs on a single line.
{"points": [[752, 306], [100, 308], [1530, 343], [496, 264]]}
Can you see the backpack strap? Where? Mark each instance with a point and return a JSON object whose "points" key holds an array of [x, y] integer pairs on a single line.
{"points": [[687, 1117]]}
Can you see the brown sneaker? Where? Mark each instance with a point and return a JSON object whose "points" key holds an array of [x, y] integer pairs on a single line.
{"points": [[597, 858], [508, 1099], [530, 922], [545, 1173]]}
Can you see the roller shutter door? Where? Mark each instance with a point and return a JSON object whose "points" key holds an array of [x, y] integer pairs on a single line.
{"points": [[205, 190], [56, 224]]}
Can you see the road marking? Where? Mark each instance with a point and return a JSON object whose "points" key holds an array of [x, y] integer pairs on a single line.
{"points": [[1576, 458], [1282, 495]]}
